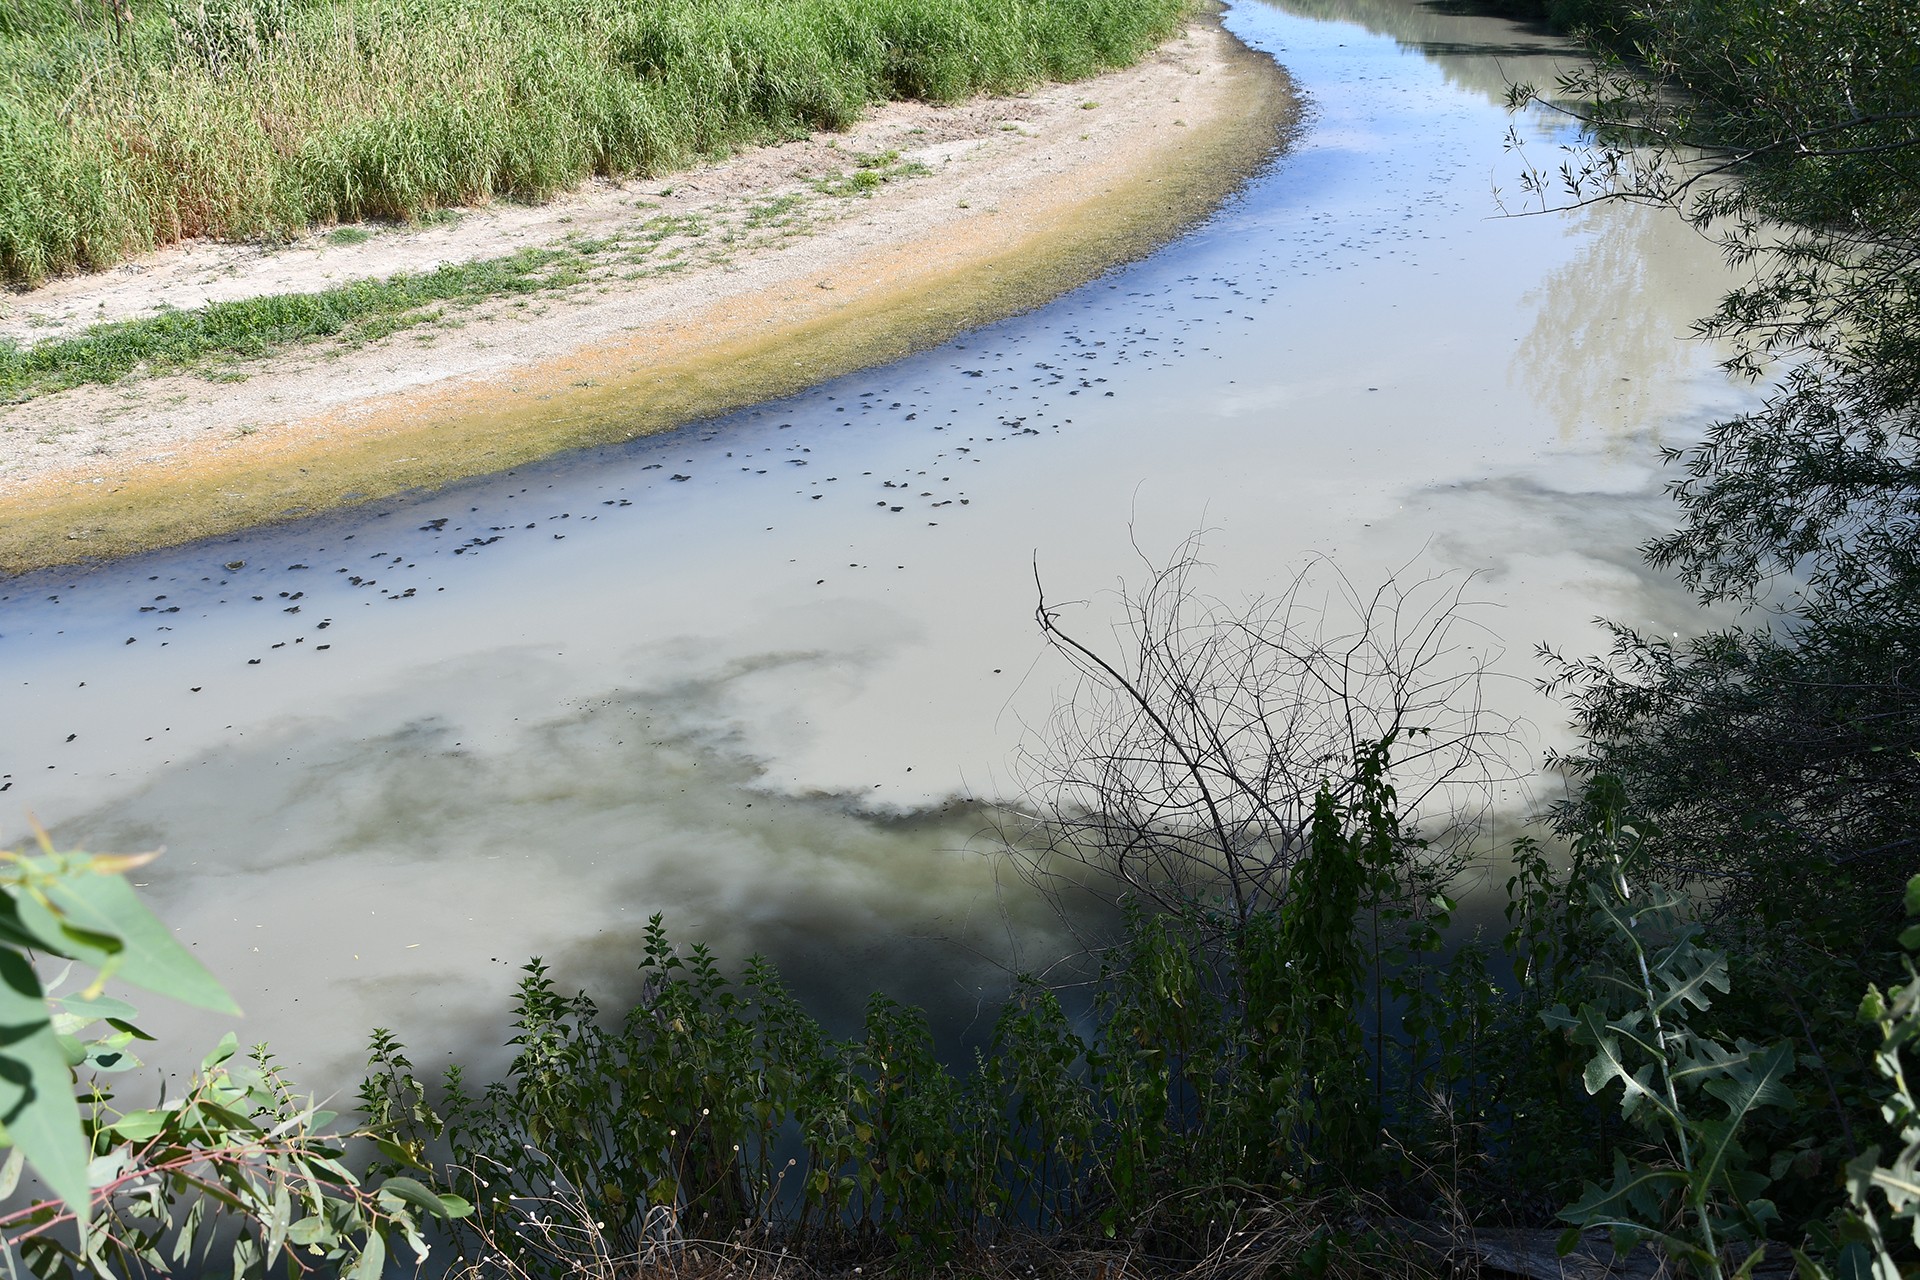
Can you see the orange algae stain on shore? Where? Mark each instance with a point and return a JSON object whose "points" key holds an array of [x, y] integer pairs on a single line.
{"points": [[907, 293]]}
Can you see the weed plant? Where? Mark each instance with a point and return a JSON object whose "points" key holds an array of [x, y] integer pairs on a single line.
{"points": [[1218, 1070], [1326, 1060], [134, 123]]}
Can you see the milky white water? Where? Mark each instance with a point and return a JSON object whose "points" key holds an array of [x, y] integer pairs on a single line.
{"points": [[750, 675]]}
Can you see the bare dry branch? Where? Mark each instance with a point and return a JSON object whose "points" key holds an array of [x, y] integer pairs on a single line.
{"points": [[1183, 769]]}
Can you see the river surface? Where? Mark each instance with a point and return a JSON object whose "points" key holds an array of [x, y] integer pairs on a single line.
{"points": [[759, 675]]}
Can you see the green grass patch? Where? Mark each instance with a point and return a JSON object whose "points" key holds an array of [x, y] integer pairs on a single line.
{"points": [[362, 311], [262, 118], [871, 172]]}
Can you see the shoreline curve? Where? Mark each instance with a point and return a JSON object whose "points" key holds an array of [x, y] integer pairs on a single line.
{"points": [[1023, 199]]}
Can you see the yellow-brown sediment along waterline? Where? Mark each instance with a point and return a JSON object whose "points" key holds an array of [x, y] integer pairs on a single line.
{"points": [[910, 290]]}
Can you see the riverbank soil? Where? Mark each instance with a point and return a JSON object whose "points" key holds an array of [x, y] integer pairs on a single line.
{"points": [[696, 293]]}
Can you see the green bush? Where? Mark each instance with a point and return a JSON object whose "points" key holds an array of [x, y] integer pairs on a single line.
{"points": [[235, 1160], [1219, 1063]]}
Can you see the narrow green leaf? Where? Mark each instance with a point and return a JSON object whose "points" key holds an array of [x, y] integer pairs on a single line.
{"points": [[26, 922], [139, 1126], [407, 1191], [248, 1260], [228, 1046], [95, 1008], [1806, 1267], [279, 1220], [1633, 1189], [397, 1153], [372, 1260], [1752, 1082], [10, 1171], [192, 1228], [104, 1169], [36, 1089], [106, 904]]}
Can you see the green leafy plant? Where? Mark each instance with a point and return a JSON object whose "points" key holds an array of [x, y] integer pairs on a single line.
{"points": [[1856, 1243], [237, 1159], [1777, 755], [78, 907], [1221, 1062], [1693, 1188]]}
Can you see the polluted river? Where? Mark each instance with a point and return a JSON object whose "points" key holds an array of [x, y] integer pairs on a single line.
{"points": [[769, 675]]}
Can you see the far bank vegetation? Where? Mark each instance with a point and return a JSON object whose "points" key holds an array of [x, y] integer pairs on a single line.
{"points": [[130, 124]]}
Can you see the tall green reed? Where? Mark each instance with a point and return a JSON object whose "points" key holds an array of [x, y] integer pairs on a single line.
{"points": [[260, 118]]}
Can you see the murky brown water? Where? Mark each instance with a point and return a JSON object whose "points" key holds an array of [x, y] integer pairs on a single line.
{"points": [[754, 675]]}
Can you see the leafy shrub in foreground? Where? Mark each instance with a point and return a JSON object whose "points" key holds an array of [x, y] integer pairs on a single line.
{"points": [[235, 1161], [713, 1109]]}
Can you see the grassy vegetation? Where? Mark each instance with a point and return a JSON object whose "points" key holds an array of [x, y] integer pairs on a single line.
{"points": [[134, 123], [253, 326], [206, 337]]}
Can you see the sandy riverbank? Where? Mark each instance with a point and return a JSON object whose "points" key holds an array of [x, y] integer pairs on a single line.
{"points": [[741, 281]]}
